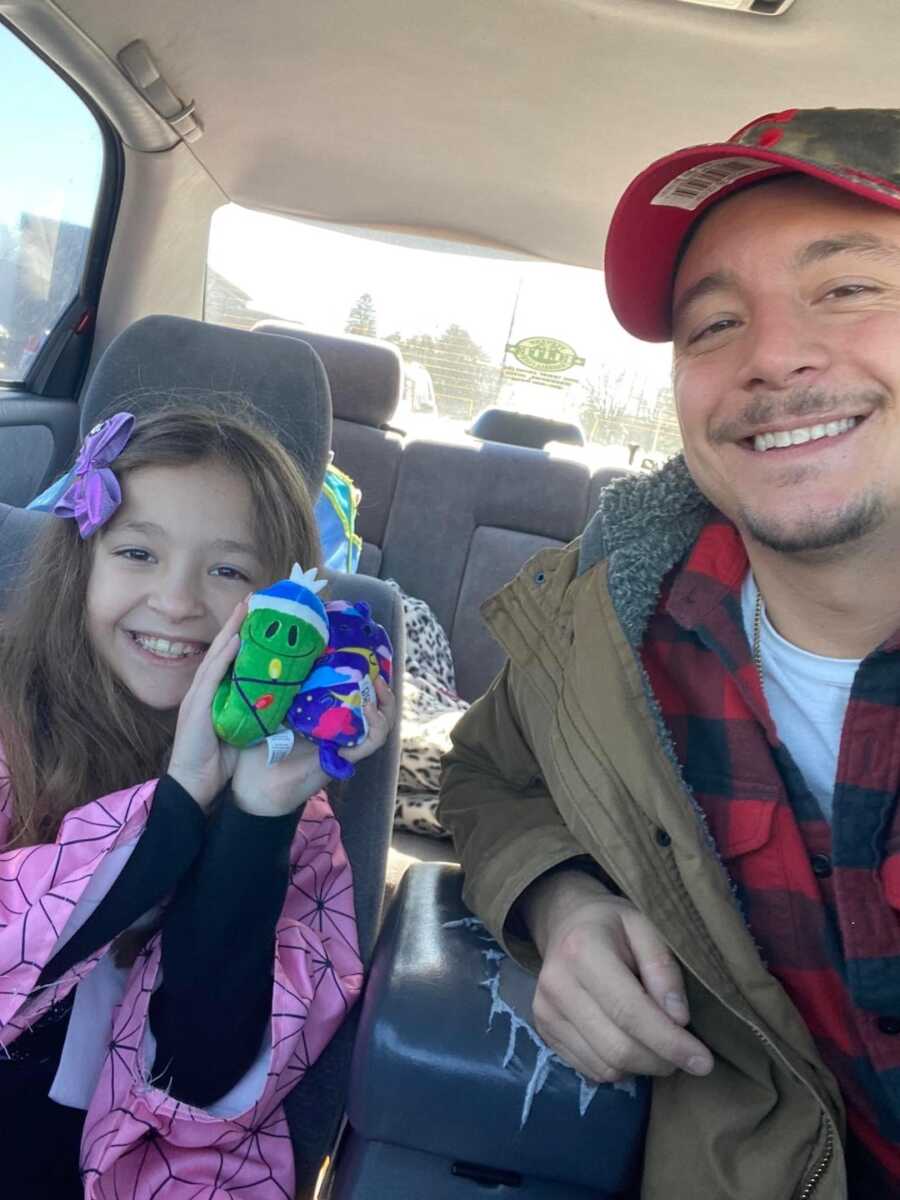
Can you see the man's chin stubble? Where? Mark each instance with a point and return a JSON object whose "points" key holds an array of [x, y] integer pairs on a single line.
{"points": [[824, 539]]}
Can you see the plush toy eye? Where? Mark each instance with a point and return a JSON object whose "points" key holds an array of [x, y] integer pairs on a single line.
{"points": [[293, 634], [367, 629], [273, 629]]}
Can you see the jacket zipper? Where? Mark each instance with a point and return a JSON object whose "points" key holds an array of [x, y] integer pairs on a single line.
{"points": [[813, 1182], [823, 1165]]}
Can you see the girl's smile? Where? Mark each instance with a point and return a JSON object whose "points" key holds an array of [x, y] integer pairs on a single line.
{"points": [[163, 649]]}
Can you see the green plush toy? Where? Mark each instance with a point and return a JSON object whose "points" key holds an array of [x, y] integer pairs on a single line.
{"points": [[284, 632]]}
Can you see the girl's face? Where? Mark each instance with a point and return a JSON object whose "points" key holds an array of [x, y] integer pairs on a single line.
{"points": [[167, 572]]}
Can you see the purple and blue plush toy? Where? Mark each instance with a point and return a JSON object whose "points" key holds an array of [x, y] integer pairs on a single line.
{"points": [[328, 708]]}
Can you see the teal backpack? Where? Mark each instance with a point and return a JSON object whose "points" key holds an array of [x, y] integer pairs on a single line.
{"points": [[336, 511]]}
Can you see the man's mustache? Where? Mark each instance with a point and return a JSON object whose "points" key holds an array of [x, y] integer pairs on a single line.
{"points": [[806, 402]]}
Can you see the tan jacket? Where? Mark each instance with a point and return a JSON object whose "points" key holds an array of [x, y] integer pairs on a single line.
{"points": [[566, 754]]}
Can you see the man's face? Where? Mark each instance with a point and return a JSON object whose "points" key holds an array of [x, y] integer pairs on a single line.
{"points": [[787, 364]]}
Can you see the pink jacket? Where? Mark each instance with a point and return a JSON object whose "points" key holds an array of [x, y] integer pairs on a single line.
{"points": [[241, 1146]]}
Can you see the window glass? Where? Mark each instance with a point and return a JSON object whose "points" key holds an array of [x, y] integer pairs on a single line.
{"points": [[52, 154], [476, 330]]}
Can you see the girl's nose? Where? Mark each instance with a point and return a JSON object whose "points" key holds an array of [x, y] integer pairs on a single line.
{"points": [[178, 599]]}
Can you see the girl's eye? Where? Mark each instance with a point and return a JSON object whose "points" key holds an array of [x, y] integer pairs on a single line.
{"points": [[230, 573], [710, 330], [134, 554]]}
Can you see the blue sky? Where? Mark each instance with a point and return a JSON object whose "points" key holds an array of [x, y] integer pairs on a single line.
{"points": [[50, 145]]}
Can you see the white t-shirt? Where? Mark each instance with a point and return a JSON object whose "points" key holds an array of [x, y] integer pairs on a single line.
{"points": [[807, 696]]}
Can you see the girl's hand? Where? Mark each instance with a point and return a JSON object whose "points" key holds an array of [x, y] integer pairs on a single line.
{"points": [[200, 762], [281, 789]]}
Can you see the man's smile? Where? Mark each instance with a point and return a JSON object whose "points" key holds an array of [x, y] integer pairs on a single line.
{"points": [[782, 438]]}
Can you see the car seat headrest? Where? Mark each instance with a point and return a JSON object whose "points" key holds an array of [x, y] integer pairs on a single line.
{"points": [[365, 375], [522, 429], [161, 360]]}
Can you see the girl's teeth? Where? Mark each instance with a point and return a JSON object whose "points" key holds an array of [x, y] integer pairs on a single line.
{"points": [[796, 437], [166, 649]]}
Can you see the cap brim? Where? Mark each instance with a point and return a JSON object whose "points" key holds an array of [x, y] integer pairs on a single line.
{"points": [[644, 237]]}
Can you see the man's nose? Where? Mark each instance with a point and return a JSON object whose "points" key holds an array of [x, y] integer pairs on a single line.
{"points": [[784, 348]]}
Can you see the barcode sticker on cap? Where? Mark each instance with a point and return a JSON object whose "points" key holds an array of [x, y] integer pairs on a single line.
{"points": [[691, 188]]}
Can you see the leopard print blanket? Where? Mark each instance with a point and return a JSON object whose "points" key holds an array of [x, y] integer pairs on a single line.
{"points": [[431, 708]]}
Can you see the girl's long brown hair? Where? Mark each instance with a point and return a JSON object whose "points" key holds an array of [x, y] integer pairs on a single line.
{"points": [[70, 730]]}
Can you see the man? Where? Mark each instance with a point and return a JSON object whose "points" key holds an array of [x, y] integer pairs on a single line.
{"points": [[678, 799]]}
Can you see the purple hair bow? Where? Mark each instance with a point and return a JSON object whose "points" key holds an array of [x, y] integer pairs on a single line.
{"points": [[94, 493]]}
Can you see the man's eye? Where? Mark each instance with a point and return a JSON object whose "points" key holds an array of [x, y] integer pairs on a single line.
{"points": [[711, 329], [846, 291]]}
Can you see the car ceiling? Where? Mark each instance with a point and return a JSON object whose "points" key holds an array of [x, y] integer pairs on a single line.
{"points": [[512, 122]]}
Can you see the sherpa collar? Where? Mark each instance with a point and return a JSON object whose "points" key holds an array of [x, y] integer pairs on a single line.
{"points": [[644, 525]]}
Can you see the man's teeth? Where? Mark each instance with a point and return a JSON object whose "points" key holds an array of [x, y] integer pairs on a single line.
{"points": [[163, 648], [795, 437]]}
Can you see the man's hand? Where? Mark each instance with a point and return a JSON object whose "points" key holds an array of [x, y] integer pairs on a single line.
{"points": [[610, 998]]}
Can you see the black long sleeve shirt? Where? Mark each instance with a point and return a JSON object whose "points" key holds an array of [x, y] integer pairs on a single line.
{"points": [[229, 877]]}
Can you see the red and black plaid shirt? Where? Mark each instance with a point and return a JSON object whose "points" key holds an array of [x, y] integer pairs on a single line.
{"points": [[822, 901]]}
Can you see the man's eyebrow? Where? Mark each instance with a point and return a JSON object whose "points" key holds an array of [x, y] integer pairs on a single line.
{"points": [[718, 281], [853, 243]]}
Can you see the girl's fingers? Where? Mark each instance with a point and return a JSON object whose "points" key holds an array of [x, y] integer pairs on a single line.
{"points": [[222, 650], [380, 721], [387, 701]]}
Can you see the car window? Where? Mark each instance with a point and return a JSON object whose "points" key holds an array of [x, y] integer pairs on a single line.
{"points": [[49, 185], [476, 329]]}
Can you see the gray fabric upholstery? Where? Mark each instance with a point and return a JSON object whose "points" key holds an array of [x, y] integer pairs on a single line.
{"points": [[365, 809], [18, 530], [26, 452], [370, 560], [433, 1078], [495, 556], [164, 360], [446, 495], [523, 429], [371, 457], [365, 374]]}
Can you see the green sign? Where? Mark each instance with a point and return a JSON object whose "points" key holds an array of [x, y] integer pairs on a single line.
{"points": [[545, 354]]}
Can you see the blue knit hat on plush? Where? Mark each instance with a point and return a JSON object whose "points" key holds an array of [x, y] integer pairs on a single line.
{"points": [[297, 597]]}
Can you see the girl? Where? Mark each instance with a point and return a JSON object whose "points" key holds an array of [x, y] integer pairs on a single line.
{"points": [[173, 953]]}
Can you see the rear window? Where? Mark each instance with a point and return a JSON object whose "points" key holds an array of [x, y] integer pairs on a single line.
{"points": [[476, 330], [49, 184]]}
